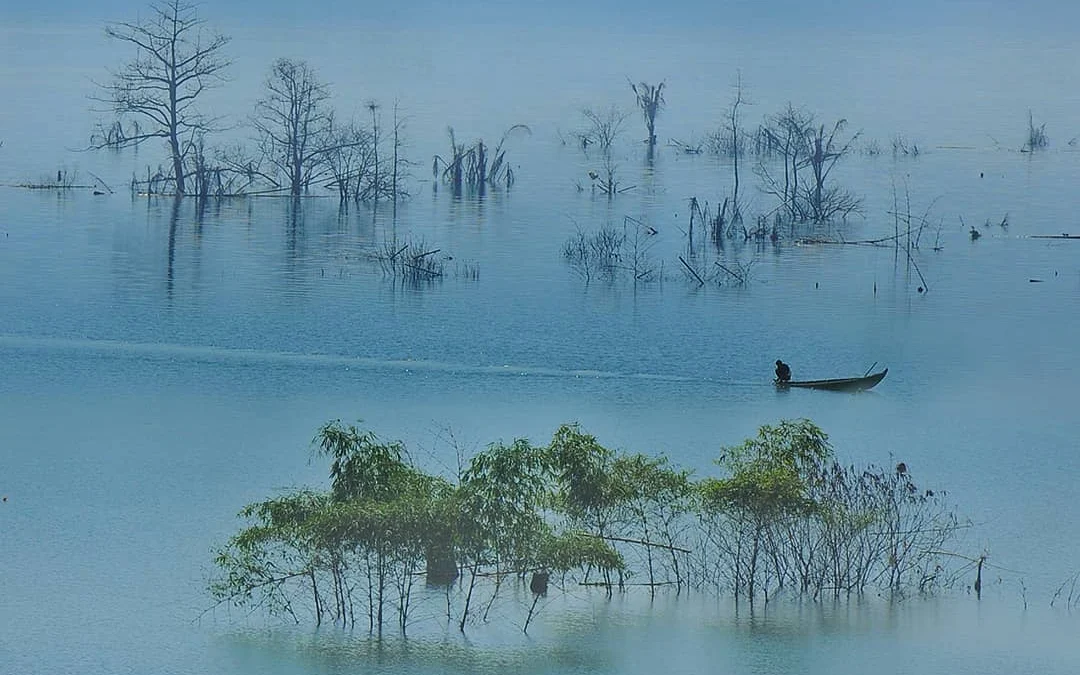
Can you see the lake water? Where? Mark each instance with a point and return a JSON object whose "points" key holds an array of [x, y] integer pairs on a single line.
{"points": [[163, 368]]}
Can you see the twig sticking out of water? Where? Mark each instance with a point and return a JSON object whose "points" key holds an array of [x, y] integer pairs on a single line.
{"points": [[693, 272], [101, 182], [412, 261], [1068, 591], [739, 277]]}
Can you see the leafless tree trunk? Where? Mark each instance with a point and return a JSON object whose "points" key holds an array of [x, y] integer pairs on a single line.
{"points": [[734, 119], [401, 163], [788, 135], [349, 163], [373, 108], [824, 151], [650, 98], [397, 146], [295, 125], [175, 62]]}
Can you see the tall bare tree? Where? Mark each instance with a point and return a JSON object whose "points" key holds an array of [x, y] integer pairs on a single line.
{"points": [[373, 108], [176, 60], [295, 125], [802, 143], [825, 149], [350, 163], [733, 119]]}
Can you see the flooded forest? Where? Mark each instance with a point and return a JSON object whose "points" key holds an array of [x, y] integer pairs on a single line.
{"points": [[412, 338]]}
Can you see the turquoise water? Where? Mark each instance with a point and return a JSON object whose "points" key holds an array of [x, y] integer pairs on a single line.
{"points": [[161, 369]]}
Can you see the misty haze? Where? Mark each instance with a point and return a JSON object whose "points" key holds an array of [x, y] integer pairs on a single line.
{"points": [[480, 338]]}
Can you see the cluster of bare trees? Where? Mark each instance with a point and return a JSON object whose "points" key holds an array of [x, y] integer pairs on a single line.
{"points": [[604, 127], [299, 143], [805, 146], [610, 253], [795, 157]]}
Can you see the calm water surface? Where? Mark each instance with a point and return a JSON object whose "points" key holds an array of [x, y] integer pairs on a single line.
{"points": [[162, 368]]}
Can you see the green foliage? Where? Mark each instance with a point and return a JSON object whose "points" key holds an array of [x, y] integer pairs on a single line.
{"points": [[363, 468], [501, 494], [763, 491], [798, 445], [788, 514], [587, 490], [772, 474], [262, 561], [784, 514], [649, 479], [577, 550]]}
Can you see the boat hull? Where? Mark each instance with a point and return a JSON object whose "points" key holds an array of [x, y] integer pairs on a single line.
{"points": [[840, 384]]}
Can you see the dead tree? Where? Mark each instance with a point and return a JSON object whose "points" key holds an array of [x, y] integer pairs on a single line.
{"points": [[350, 163], [373, 108], [603, 130], [650, 98], [176, 60], [733, 119], [400, 167], [786, 134], [295, 125], [801, 143], [824, 151]]}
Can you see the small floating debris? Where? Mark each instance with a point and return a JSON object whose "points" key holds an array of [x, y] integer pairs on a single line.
{"points": [[1063, 235], [1035, 281]]}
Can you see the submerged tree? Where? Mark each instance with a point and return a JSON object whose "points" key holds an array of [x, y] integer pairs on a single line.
{"points": [[788, 515], [176, 60], [399, 166], [786, 133], [603, 128], [1036, 136], [657, 497], [350, 162], [587, 492], [501, 496], [733, 127], [295, 125], [650, 99], [476, 166], [826, 148], [358, 549], [784, 515], [801, 143], [359, 545], [769, 482], [357, 170]]}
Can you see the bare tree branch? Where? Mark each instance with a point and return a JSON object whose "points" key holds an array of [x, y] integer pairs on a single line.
{"points": [[295, 125], [175, 62]]}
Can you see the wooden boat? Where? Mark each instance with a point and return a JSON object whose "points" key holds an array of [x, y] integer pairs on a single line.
{"points": [[841, 384]]}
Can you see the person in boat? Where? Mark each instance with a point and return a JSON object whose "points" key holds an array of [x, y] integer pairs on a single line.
{"points": [[783, 371]]}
